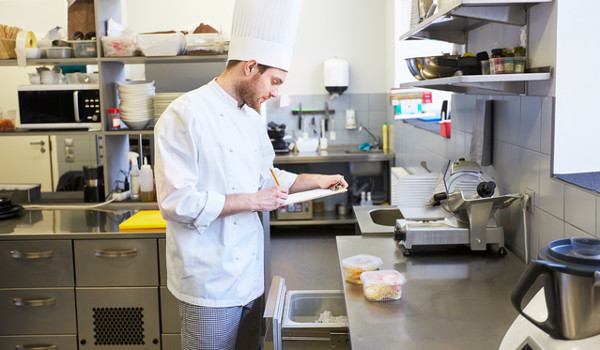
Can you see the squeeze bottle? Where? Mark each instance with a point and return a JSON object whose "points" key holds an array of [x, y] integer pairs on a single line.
{"points": [[134, 175], [146, 182], [384, 134]]}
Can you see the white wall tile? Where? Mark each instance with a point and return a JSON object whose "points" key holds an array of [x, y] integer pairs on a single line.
{"points": [[507, 113], [580, 209], [530, 122], [572, 231], [506, 156], [551, 195], [551, 229], [546, 136], [529, 170]]}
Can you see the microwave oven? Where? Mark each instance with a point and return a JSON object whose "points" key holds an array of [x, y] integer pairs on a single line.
{"points": [[59, 106]]}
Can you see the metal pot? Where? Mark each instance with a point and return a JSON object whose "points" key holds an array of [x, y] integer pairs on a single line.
{"points": [[571, 287], [434, 67]]}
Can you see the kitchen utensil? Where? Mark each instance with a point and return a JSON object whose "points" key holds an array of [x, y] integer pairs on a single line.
{"points": [[8, 209], [414, 66], [444, 66], [571, 287]]}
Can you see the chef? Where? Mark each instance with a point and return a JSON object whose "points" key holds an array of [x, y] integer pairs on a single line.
{"points": [[213, 173]]}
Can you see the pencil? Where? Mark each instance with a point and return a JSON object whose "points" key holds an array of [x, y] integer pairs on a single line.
{"points": [[275, 177]]}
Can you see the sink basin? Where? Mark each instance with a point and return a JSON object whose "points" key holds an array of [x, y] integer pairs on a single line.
{"points": [[385, 216], [359, 151]]}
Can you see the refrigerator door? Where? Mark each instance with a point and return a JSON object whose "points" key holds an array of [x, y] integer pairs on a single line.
{"points": [[273, 316]]}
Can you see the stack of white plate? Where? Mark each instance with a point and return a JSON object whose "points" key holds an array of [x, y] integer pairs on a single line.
{"points": [[137, 103], [162, 101]]}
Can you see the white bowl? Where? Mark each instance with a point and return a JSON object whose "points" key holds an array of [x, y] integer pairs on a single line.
{"points": [[308, 145], [136, 125]]}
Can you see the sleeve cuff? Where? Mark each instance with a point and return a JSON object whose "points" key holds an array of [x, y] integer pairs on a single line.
{"points": [[213, 208]]}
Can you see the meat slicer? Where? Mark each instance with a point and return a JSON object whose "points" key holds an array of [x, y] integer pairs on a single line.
{"points": [[454, 207]]}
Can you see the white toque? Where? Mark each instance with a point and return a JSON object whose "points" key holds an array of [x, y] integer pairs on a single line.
{"points": [[264, 30]]}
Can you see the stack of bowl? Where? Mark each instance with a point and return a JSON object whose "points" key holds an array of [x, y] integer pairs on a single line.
{"points": [[163, 100], [137, 103]]}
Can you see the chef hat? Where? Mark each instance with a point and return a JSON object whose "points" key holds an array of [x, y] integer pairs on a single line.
{"points": [[264, 30]]}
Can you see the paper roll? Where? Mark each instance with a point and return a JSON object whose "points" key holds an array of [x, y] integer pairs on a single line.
{"points": [[25, 40]]}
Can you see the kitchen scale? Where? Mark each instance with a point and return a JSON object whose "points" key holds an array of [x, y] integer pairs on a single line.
{"points": [[524, 335]]}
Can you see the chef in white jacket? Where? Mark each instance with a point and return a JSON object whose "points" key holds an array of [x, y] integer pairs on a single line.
{"points": [[213, 161]]}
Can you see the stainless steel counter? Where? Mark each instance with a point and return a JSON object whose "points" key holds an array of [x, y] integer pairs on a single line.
{"points": [[451, 300], [70, 224], [341, 153]]}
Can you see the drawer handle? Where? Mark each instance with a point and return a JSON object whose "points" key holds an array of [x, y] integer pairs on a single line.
{"points": [[37, 347], [116, 253], [41, 254], [34, 302]]}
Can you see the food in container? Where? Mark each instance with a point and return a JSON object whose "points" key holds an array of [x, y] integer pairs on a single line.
{"points": [[509, 64], [84, 48], [382, 285], [204, 49], [355, 265], [519, 64], [497, 65]]}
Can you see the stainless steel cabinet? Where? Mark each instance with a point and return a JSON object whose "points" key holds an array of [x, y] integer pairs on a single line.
{"points": [[50, 342], [36, 264], [37, 311], [116, 262]]}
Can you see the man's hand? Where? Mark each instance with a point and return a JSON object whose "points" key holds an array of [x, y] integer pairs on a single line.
{"points": [[270, 198]]}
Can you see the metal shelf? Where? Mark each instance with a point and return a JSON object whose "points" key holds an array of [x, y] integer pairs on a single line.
{"points": [[52, 61], [325, 218], [481, 84], [125, 60], [454, 18]]}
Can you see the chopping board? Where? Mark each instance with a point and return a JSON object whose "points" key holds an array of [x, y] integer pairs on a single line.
{"points": [[145, 220]]}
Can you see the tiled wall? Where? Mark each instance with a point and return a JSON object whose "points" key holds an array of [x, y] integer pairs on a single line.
{"points": [[371, 111], [521, 159]]}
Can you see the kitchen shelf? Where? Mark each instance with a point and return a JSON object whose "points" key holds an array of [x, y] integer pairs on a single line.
{"points": [[130, 132], [325, 218], [50, 132], [166, 59], [484, 84], [52, 61], [455, 18]]}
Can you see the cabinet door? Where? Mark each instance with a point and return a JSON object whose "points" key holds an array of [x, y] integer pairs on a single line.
{"points": [[36, 264], [30, 164], [169, 312], [116, 262], [50, 342], [37, 311]]}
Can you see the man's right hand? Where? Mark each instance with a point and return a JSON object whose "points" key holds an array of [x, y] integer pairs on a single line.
{"points": [[270, 198]]}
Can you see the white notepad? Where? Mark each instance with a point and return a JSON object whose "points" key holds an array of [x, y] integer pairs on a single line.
{"points": [[311, 194]]}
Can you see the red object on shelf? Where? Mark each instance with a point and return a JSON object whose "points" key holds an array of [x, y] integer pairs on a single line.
{"points": [[445, 127], [426, 97]]}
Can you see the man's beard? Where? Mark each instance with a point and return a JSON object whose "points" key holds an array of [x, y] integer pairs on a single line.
{"points": [[247, 93]]}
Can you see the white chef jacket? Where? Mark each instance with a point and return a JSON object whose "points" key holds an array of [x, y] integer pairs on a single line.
{"points": [[206, 148]]}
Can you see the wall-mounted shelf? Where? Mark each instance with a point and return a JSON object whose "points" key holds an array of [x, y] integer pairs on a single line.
{"points": [[51, 61], [454, 18], [125, 60], [481, 84]]}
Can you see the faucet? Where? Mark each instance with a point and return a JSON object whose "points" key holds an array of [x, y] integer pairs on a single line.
{"points": [[376, 145]]}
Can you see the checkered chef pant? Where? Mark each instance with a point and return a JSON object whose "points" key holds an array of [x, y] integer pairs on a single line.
{"points": [[220, 328]]}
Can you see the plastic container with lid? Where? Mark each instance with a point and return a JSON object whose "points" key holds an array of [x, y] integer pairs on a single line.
{"points": [[355, 265], [382, 285]]}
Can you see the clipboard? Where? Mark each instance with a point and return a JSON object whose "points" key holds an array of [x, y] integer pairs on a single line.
{"points": [[312, 194]]}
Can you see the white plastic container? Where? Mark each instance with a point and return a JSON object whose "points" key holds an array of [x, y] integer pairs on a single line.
{"points": [[169, 44], [146, 182], [382, 285], [354, 266], [134, 175]]}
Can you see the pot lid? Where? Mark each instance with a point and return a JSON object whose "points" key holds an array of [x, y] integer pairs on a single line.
{"points": [[581, 254]]}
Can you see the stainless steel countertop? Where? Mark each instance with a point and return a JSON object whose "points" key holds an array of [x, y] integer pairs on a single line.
{"points": [[71, 224], [365, 222], [451, 300], [340, 153]]}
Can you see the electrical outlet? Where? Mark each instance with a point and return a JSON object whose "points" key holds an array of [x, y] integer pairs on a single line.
{"points": [[531, 202]]}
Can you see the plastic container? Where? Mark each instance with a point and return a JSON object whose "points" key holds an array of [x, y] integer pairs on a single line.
{"points": [[200, 38], [519, 64], [354, 266], [134, 175], [114, 115], [497, 65], [485, 67], [169, 44], [59, 52], [204, 49], [33, 53], [84, 48], [509, 65], [146, 182], [382, 285], [119, 46]]}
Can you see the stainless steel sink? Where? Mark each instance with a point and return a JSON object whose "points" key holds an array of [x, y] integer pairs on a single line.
{"points": [[353, 151], [385, 216]]}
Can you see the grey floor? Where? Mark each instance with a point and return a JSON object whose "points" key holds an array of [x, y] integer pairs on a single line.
{"points": [[307, 256]]}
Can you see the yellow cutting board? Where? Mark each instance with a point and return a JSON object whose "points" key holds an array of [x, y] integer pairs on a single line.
{"points": [[145, 220]]}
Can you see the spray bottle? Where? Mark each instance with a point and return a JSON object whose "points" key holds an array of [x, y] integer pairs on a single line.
{"points": [[146, 182], [134, 175]]}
